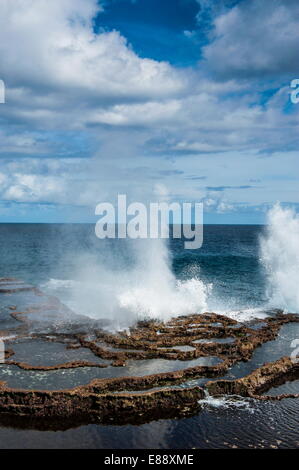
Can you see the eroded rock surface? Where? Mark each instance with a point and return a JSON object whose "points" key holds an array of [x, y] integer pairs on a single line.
{"points": [[131, 384]]}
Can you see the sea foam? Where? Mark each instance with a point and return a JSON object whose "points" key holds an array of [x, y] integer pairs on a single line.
{"points": [[280, 258]]}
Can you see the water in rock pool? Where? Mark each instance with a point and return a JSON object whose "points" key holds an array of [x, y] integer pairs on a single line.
{"points": [[113, 282]]}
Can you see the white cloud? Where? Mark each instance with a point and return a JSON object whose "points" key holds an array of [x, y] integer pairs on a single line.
{"points": [[142, 115], [58, 50], [150, 113], [217, 204], [256, 38]]}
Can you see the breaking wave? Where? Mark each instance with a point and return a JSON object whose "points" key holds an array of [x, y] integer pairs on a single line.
{"points": [[280, 258]]}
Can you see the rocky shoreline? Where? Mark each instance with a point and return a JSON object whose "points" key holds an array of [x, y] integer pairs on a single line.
{"points": [[215, 340]]}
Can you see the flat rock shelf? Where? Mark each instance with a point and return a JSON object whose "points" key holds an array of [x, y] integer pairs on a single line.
{"points": [[62, 369]]}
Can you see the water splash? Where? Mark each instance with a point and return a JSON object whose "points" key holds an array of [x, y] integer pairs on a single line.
{"points": [[147, 289], [227, 402], [280, 258], [156, 293]]}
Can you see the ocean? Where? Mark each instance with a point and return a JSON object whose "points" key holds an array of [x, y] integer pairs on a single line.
{"points": [[111, 279], [47, 255]]}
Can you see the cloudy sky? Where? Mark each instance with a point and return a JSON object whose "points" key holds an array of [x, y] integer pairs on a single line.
{"points": [[189, 98]]}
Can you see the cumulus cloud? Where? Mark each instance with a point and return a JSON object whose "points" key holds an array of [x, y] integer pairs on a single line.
{"points": [[51, 46], [256, 39], [217, 204], [132, 122]]}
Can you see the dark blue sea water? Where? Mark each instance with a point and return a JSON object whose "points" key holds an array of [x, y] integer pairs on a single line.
{"points": [[49, 255], [229, 258]]}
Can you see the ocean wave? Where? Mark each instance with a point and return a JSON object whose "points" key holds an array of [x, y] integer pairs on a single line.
{"points": [[227, 402], [280, 258]]}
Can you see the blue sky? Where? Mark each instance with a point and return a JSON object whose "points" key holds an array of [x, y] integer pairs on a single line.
{"points": [[187, 100], [155, 28]]}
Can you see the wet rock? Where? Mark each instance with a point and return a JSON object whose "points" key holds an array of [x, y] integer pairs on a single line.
{"points": [[259, 381], [84, 403], [121, 400]]}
